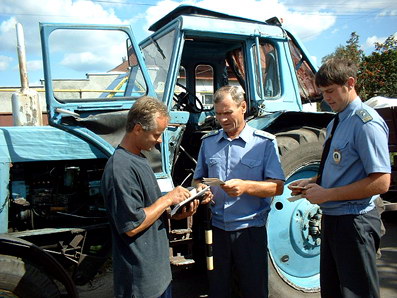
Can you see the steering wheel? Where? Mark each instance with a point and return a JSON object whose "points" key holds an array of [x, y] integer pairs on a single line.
{"points": [[184, 103]]}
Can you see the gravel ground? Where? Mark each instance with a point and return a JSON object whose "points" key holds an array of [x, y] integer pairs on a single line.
{"points": [[192, 283]]}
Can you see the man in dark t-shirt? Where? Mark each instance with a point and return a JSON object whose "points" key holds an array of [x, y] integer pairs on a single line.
{"points": [[136, 208]]}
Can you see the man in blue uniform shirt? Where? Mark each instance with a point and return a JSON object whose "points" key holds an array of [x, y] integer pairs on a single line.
{"points": [[356, 168], [247, 160]]}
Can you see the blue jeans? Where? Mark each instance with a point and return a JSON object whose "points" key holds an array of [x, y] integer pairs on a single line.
{"points": [[167, 293]]}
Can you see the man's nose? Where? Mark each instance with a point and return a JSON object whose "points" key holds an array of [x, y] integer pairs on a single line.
{"points": [[222, 119]]}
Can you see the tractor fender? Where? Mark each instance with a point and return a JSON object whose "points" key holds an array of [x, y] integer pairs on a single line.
{"points": [[285, 120]]}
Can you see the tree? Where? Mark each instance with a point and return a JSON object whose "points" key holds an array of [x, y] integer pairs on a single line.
{"points": [[378, 72], [350, 51], [377, 75]]}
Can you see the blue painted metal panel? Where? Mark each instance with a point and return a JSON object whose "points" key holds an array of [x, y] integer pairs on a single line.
{"points": [[179, 117], [36, 143], [4, 180], [264, 121]]}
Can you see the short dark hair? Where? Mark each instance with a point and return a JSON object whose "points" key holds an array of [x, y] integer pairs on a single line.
{"points": [[335, 71], [144, 111], [236, 92]]}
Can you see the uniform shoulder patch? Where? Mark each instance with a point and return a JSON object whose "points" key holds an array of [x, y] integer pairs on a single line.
{"points": [[211, 133], [364, 115], [265, 134]]}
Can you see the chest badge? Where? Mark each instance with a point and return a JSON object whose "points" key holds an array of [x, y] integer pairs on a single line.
{"points": [[337, 156]]}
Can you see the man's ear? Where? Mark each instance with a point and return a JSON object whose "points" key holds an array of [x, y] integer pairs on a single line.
{"points": [[137, 128], [244, 106], [351, 82]]}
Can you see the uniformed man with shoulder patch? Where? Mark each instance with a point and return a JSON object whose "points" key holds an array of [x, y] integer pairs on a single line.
{"points": [[247, 160], [354, 170]]}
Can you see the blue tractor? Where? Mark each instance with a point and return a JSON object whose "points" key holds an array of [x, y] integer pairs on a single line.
{"points": [[54, 228]]}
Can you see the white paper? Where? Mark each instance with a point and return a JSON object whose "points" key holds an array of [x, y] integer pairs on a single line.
{"points": [[295, 198], [194, 193], [213, 181]]}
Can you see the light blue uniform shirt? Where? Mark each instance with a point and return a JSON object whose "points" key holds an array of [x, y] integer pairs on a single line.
{"points": [[251, 156], [358, 148]]}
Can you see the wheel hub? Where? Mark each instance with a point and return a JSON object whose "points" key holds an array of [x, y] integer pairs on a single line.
{"points": [[306, 229], [294, 231]]}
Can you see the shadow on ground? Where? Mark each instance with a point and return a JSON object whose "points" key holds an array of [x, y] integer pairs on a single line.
{"points": [[192, 283]]}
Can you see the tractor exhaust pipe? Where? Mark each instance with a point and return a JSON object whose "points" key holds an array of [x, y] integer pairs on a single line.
{"points": [[26, 109]]}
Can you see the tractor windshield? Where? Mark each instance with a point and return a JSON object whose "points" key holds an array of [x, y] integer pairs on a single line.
{"points": [[158, 55]]}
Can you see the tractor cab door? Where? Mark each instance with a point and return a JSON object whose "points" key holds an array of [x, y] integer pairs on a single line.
{"points": [[93, 75]]}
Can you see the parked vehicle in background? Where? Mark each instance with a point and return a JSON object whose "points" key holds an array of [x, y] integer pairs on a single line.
{"points": [[54, 225]]}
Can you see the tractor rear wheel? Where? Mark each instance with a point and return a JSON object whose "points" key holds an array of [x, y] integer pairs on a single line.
{"points": [[22, 279], [294, 227]]}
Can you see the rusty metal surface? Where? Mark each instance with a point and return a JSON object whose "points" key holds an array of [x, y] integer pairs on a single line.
{"points": [[181, 261], [44, 232]]}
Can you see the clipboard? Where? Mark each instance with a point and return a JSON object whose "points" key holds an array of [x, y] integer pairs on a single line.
{"points": [[195, 195]]}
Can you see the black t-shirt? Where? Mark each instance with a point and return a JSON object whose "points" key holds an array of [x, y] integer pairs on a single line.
{"points": [[141, 266]]}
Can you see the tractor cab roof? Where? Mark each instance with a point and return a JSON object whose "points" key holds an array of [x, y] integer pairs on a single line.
{"points": [[189, 10]]}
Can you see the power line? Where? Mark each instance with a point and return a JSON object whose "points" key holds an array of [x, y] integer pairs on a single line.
{"points": [[321, 12], [123, 3], [68, 16], [33, 14]]}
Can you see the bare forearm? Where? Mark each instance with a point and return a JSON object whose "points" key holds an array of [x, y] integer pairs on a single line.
{"points": [[153, 212], [268, 188], [374, 184]]}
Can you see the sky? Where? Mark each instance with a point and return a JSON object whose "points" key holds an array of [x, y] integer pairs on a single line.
{"points": [[322, 25]]}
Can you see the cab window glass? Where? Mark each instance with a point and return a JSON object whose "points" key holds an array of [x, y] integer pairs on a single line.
{"points": [[157, 58], [180, 81], [204, 75], [94, 65], [268, 65], [307, 88]]}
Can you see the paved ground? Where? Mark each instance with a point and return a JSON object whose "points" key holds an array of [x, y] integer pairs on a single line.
{"points": [[387, 264], [192, 283]]}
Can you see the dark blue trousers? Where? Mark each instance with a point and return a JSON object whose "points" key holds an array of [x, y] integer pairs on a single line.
{"points": [[348, 255], [244, 252]]}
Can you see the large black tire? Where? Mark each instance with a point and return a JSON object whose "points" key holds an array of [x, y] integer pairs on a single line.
{"points": [[299, 149], [24, 280]]}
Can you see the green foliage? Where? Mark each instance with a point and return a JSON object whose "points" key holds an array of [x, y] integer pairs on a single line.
{"points": [[350, 51], [378, 71], [377, 74]]}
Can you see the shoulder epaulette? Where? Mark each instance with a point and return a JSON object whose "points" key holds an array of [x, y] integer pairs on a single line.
{"points": [[265, 134], [211, 133], [364, 115]]}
